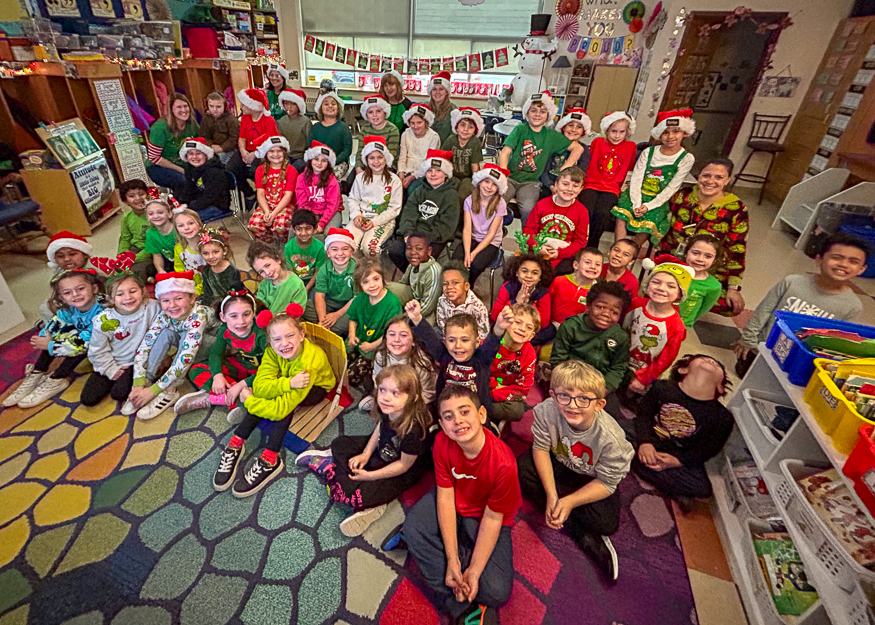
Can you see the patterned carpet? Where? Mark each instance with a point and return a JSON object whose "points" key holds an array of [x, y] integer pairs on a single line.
{"points": [[109, 520]]}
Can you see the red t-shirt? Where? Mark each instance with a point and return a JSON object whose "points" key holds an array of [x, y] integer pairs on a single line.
{"points": [[566, 223], [567, 298], [490, 479], [250, 130], [277, 183], [609, 164], [628, 280]]}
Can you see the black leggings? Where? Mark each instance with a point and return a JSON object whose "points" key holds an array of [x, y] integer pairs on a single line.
{"points": [[481, 261], [280, 428], [98, 386], [64, 370], [599, 205], [564, 267]]}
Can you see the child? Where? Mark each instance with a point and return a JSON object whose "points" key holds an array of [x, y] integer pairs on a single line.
{"points": [[703, 252], [234, 356], [66, 336], [65, 251], [161, 236], [827, 294], [117, 332], [529, 147], [369, 472], [513, 370], [416, 141], [275, 182], [461, 358], [681, 424], [562, 221], [206, 188], [181, 324], [374, 110], [578, 458], [611, 158], [293, 372], [255, 123], [527, 278], [333, 292], [134, 226], [460, 534], [317, 189], [295, 125], [432, 208], [188, 226], [654, 324], [220, 127], [568, 293], [457, 298], [392, 90], [466, 146], [483, 212], [219, 275], [304, 254], [330, 130], [279, 287], [375, 198], [423, 274], [658, 174], [623, 253], [574, 126]]}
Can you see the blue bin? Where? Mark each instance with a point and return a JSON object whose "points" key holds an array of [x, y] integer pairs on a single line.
{"points": [[868, 234], [791, 354]]}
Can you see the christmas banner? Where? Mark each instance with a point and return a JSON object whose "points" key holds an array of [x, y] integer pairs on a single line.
{"points": [[398, 64], [319, 49], [462, 64], [447, 64], [351, 57], [385, 64], [501, 57], [375, 64], [435, 66], [474, 62], [309, 43], [422, 66], [488, 59], [329, 50], [340, 56]]}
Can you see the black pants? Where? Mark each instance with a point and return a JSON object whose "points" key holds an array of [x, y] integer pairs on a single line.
{"points": [[743, 364], [599, 517], [98, 386], [396, 248], [510, 410], [280, 428], [481, 262], [64, 370], [243, 172], [599, 205], [564, 267], [362, 495]]}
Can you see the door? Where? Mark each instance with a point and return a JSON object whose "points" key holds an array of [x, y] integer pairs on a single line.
{"points": [[611, 90]]}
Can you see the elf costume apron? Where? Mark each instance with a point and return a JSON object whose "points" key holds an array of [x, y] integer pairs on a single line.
{"points": [[654, 222]]}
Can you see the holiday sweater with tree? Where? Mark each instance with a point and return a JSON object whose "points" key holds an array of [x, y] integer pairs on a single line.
{"points": [[565, 223], [377, 201], [655, 341], [513, 373], [507, 294], [609, 164]]}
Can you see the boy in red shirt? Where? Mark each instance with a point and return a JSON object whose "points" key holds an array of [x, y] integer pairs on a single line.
{"points": [[513, 370], [255, 122], [568, 293], [563, 219], [622, 254], [459, 534]]}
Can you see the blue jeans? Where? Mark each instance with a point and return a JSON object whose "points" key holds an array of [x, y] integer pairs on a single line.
{"points": [[166, 177], [211, 213], [423, 536]]}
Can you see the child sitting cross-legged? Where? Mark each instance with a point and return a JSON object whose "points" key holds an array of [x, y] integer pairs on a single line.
{"points": [[483, 213], [578, 458], [527, 279], [134, 226], [623, 253], [513, 370], [279, 287], [375, 198], [568, 293], [369, 472], [422, 278], [458, 297], [333, 293], [219, 275], [304, 253], [275, 181]]}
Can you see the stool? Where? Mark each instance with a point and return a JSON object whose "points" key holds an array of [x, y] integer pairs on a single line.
{"points": [[765, 134], [495, 265]]}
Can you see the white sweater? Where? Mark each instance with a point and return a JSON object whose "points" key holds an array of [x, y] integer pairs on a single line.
{"points": [[116, 337], [413, 150], [375, 200]]}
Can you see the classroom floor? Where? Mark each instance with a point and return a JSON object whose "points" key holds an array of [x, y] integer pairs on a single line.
{"points": [[770, 256]]}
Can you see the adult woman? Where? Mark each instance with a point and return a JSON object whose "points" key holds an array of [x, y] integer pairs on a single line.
{"points": [[393, 92], [439, 101], [277, 75], [165, 140], [708, 208]]}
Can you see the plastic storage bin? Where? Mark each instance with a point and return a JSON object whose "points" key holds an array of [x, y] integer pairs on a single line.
{"points": [[738, 498], [835, 414], [860, 467], [765, 443]]}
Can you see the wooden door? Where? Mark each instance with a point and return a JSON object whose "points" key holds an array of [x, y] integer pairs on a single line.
{"points": [[611, 90]]}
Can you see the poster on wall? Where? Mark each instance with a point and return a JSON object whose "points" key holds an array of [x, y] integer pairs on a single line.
{"points": [[94, 183], [779, 86], [62, 8], [132, 9], [119, 122], [69, 142], [102, 8]]}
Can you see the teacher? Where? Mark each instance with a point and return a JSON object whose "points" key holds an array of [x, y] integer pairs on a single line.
{"points": [[166, 137], [277, 75], [439, 101], [708, 209]]}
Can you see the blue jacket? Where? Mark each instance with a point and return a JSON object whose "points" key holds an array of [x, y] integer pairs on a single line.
{"points": [[70, 330]]}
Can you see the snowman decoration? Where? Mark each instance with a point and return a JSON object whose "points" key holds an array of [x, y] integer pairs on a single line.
{"points": [[536, 48]]}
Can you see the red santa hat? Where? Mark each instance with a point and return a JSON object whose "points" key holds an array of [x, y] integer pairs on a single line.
{"points": [[178, 281], [575, 115], [612, 118], [375, 100], [545, 98], [392, 72], [374, 143], [442, 159], [296, 97], [666, 263], [66, 239], [329, 94], [682, 118], [196, 143], [339, 235], [253, 99], [469, 113], [266, 142], [423, 110], [320, 149], [441, 78], [273, 67], [497, 174]]}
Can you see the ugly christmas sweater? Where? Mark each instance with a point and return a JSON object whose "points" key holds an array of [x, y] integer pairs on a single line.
{"points": [[609, 164], [566, 223], [115, 337], [377, 201], [655, 341], [70, 330], [513, 373]]}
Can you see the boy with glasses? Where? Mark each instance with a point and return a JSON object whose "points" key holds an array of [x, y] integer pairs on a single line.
{"points": [[578, 457]]}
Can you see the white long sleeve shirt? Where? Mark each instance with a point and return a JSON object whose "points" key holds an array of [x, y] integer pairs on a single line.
{"points": [[659, 160], [413, 150]]}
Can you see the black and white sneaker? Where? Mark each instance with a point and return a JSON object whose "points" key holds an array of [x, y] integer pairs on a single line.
{"points": [[602, 552], [228, 465], [257, 477]]}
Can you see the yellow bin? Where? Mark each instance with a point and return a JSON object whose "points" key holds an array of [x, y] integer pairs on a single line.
{"points": [[835, 414]]}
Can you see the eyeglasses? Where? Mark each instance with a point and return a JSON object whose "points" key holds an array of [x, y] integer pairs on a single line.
{"points": [[564, 399]]}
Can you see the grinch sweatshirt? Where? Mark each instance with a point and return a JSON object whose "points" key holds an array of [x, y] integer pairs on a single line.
{"points": [[115, 337], [655, 341], [432, 211], [375, 200]]}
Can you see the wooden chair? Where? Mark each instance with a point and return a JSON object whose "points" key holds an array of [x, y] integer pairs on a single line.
{"points": [[765, 136]]}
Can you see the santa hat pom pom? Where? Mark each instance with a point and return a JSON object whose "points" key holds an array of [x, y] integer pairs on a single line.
{"points": [[294, 310], [263, 318], [648, 264]]}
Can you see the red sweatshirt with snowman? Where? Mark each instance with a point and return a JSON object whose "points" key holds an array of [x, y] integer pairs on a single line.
{"points": [[655, 341]]}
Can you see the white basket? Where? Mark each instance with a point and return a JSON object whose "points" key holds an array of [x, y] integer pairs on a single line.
{"points": [[736, 495], [750, 395], [859, 610]]}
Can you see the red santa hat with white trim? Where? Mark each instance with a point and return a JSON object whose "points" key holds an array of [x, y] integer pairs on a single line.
{"points": [[575, 115], [334, 96], [66, 239], [682, 118], [320, 149], [441, 78], [339, 235], [374, 143], [375, 100], [545, 98], [196, 143], [423, 110], [266, 142], [497, 174], [253, 99], [442, 159], [274, 67], [296, 97], [469, 113], [175, 281], [616, 116]]}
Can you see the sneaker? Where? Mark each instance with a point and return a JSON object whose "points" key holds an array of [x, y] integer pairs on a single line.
{"points": [[159, 404], [355, 524], [191, 402], [28, 384], [235, 416], [395, 540], [602, 552], [48, 388], [366, 403], [257, 477], [228, 465], [478, 614], [128, 408], [317, 460]]}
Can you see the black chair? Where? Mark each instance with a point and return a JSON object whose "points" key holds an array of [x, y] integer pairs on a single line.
{"points": [[20, 222], [765, 136]]}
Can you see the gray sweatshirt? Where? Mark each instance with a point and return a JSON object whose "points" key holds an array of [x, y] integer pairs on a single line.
{"points": [[115, 337], [601, 452], [799, 294]]}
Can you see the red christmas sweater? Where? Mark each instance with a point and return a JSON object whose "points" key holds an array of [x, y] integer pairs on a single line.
{"points": [[566, 223], [567, 298], [628, 280], [655, 341], [513, 373], [252, 130], [539, 298], [609, 164]]}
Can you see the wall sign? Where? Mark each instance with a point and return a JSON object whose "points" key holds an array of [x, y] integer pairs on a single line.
{"points": [[118, 121]]}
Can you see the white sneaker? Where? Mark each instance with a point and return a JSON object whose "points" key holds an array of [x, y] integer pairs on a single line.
{"points": [[366, 403], [28, 384], [159, 404], [47, 389], [191, 402], [128, 408], [356, 524], [235, 415]]}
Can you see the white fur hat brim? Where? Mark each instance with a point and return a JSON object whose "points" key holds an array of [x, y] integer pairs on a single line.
{"points": [[187, 146], [250, 103], [581, 118], [544, 99], [443, 82], [277, 68], [445, 166], [320, 150], [57, 244], [374, 147], [291, 96], [457, 115], [418, 109], [493, 174], [684, 123], [393, 72], [378, 102], [616, 116], [333, 95], [179, 285], [271, 142]]}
